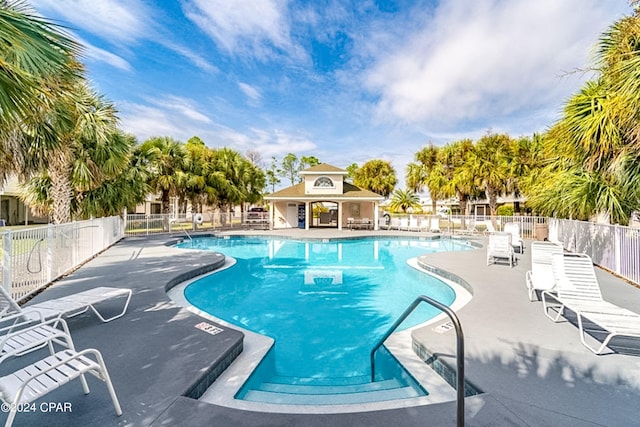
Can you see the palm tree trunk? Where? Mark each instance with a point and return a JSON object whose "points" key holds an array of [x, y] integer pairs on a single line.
{"points": [[61, 192]]}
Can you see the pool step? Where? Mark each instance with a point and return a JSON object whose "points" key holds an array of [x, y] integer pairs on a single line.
{"points": [[329, 389], [301, 391]]}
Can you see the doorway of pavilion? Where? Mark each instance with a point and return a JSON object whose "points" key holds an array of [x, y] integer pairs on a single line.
{"points": [[325, 214]]}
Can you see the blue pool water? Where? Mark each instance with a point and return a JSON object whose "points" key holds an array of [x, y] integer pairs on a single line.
{"points": [[326, 304]]}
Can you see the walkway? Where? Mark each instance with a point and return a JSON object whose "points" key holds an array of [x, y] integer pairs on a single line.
{"points": [[532, 371]]}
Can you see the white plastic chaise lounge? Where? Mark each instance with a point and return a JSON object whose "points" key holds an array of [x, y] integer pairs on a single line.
{"points": [[76, 304], [434, 224], [578, 290], [540, 277], [489, 228], [19, 389], [499, 247], [471, 228], [20, 335], [24, 331], [516, 239]]}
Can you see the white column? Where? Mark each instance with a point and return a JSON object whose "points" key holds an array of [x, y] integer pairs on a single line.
{"points": [[339, 215], [375, 216], [307, 220], [272, 215]]}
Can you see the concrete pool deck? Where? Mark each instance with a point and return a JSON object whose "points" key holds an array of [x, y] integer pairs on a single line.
{"points": [[531, 371]]}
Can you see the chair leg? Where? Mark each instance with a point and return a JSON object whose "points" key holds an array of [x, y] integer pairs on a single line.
{"points": [[105, 377]]}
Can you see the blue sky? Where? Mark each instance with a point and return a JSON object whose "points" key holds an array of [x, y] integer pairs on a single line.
{"points": [[345, 81]]}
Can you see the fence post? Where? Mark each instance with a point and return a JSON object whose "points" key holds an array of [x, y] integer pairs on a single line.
{"points": [[617, 250], [6, 261], [50, 244]]}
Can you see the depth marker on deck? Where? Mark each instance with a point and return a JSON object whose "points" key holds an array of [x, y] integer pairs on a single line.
{"points": [[445, 327], [209, 328]]}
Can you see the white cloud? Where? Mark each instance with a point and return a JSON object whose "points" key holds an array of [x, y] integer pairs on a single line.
{"points": [[186, 108], [112, 19], [119, 22], [102, 55], [257, 26], [487, 59], [178, 118], [251, 91], [196, 59]]}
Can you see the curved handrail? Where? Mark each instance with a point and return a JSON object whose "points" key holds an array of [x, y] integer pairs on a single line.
{"points": [[459, 348]]}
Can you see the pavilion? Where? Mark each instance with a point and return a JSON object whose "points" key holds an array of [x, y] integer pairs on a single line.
{"points": [[324, 185]]}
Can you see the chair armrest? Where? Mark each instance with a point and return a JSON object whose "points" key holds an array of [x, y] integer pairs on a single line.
{"points": [[53, 323], [18, 320]]}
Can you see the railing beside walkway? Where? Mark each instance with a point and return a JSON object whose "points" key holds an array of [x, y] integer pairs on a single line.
{"points": [[34, 257]]}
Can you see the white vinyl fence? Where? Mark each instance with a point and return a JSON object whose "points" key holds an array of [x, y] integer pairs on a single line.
{"points": [[143, 225], [34, 257], [614, 247]]}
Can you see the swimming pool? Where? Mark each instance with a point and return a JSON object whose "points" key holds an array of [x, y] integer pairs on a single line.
{"points": [[326, 304]]}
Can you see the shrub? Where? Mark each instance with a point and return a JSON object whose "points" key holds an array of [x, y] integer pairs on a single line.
{"points": [[505, 210]]}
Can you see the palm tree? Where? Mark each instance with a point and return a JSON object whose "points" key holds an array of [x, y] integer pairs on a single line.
{"points": [[427, 173], [404, 200], [166, 158], [35, 54], [457, 176], [33, 50], [75, 145], [116, 181], [489, 164], [377, 176], [594, 148]]}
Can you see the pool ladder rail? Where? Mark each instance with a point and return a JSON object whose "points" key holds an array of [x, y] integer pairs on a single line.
{"points": [[459, 348]]}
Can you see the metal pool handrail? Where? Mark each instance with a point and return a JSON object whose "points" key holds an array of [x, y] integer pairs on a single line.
{"points": [[459, 348]]}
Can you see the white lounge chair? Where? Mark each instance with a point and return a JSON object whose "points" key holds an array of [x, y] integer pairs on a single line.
{"points": [[489, 228], [434, 224], [19, 389], [413, 224], [499, 247], [578, 290], [20, 334], [471, 228], [75, 304], [541, 277], [382, 224], [516, 240], [404, 224], [625, 323], [394, 224]]}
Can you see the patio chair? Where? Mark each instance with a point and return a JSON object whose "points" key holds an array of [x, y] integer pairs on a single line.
{"points": [[624, 323], [394, 224], [382, 224], [19, 389], [578, 290], [489, 228], [516, 240], [413, 225], [499, 247], [434, 224], [471, 228], [541, 277], [424, 224], [74, 304], [404, 224], [20, 334]]}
